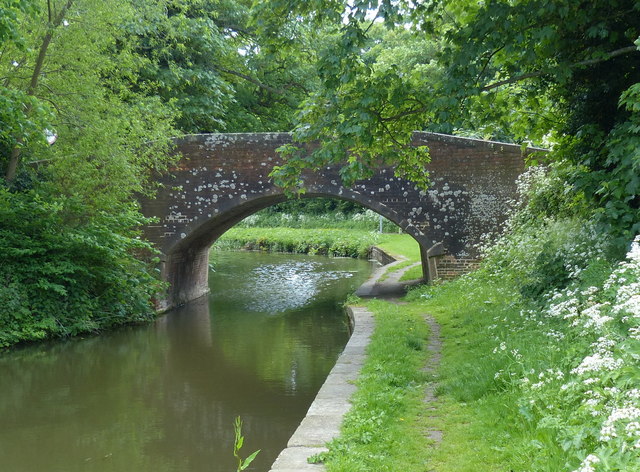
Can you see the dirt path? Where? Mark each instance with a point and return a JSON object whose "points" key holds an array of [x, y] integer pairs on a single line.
{"points": [[431, 367]]}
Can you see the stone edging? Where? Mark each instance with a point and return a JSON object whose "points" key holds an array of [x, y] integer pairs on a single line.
{"points": [[323, 420]]}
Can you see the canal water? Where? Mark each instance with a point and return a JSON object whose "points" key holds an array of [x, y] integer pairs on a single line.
{"points": [[163, 397]]}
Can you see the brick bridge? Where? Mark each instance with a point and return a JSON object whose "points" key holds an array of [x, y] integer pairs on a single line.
{"points": [[223, 178]]}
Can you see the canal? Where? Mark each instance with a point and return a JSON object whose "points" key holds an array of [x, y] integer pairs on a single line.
{"points": [[163, 397]]}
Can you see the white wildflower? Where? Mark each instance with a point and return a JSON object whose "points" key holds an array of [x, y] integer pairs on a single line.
{"points": [[608, 431], [634, 252], [598, 363], [587, 464], [594, 316], [632, 429]]}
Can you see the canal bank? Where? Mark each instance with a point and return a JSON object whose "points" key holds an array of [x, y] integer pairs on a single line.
{"points": [[325, 415]]}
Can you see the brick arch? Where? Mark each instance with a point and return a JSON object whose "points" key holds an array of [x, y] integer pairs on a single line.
{"points": [[185, 265], [223, 178]]}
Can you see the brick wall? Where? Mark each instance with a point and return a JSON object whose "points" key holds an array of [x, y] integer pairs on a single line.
{"points": [[450, 267]]}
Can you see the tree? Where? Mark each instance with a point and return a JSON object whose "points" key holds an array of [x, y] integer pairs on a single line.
{"points": [[362, 112], [108, 81], [74, 76], [583, 59], [71, 256], [528, 71], [206, 57]]}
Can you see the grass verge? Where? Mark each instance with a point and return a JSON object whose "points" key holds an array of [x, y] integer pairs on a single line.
{"points": [[401, 246], [412, 274], [478, 419], [382, 432], [324, 241], [539, 368]]}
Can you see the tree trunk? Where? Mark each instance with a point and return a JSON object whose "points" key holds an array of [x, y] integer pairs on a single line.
{"points": [[14, 159]]}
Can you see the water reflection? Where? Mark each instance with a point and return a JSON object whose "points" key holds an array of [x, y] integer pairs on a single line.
{"points": [[290, 284], [163, 397]]}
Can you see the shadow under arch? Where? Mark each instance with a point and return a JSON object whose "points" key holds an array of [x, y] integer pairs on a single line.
{"points": [[186, 264]]}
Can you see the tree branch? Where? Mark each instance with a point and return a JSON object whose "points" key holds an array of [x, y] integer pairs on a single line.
{"points": [[248, 78], [588, 62], [397, 116], [486, 64]]}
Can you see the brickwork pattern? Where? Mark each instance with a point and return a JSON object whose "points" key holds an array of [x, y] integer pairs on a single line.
{"points": [[449, 267]]}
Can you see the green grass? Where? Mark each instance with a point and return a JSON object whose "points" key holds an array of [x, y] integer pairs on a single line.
{"points": [[391, 270], [484, 417], [476, 416], [400, 245], [382, 432], [480, 417], [412, 274], [386, 430]]}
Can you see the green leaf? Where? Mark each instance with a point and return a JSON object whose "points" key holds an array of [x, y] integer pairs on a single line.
{"points": [[249, 460]]}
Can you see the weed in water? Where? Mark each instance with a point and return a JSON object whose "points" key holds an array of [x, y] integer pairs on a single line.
{"points": [[237, 445]]}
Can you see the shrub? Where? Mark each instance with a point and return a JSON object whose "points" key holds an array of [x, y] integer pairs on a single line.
{"points": [[64, 271]]}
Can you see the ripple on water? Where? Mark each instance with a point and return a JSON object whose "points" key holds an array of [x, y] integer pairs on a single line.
{"points": [[274, 288]]}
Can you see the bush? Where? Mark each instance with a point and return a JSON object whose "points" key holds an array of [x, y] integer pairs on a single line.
{"points": [[64, 271]]}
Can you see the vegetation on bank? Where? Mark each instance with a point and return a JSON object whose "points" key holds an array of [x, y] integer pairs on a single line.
{"points": [[325, 227], [539, 367], [540, 355], [92, 92], [382, 431], [321, 241], [318, 213], [63, 275], [327, 241]]}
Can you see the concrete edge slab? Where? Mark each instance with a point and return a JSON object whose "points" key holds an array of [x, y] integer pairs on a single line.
{"points": [[295, 459]]}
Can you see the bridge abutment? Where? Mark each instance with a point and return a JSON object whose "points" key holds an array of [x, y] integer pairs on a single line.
{"points": [[187, 274]]}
